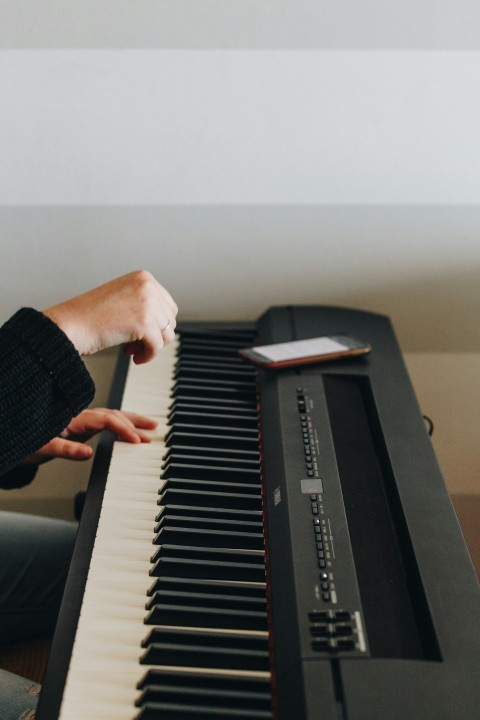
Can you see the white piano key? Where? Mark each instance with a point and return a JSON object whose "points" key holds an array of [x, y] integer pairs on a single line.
{"points": [[154, 449], [148, 461]]}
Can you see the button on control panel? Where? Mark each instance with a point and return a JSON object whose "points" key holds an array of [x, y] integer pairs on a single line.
{"points": [[336, 630], [311, 468]]}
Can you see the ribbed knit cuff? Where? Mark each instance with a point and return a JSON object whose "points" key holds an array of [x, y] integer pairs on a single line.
{"points": [[56, 353]]}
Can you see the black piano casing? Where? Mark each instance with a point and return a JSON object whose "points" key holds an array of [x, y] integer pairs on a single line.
{"points": [[435, 673]]}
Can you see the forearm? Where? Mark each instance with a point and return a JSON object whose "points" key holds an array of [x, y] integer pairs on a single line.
{"points": [[44, 384]]}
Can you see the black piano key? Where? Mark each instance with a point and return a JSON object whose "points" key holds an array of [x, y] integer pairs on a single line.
{"points": [[218, 430], [208, 569], [227, 366], [191, 359], [215, 375], [202, 353], [224, 514], [211, 617], [205, 600], [220, 466], [204, 552], [243, 409], [217, 484], [212, 485], [205, 656], [224, 525], [168, 711], [226, 392], [176, 437], [217, 689], [210, 472], [203, 401], [215, 337], [213, 344], [192, 636], [247, 589], [218, 354], [188, 358], [211, 682], [209, 459], [222, 419], [217, 696], [211, 538], [200, 499], [211, 452], [237, 332], [247, 384]]}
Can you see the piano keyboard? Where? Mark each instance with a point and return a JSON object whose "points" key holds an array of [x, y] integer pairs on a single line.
{"points": [[173, 624]]}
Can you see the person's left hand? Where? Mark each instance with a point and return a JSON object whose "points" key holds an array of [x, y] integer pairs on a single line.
{"points": [[127, 426]]}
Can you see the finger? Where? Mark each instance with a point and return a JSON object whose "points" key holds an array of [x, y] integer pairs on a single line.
{"points": [[66, 449], [169, 300], [143, 354], [168, 328], [133, 348], [148, 347], [89, 422], [169, 334], [140, 421], [123, 426]]}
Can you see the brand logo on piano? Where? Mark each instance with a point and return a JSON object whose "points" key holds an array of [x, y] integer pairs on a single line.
{"points": [[277, 496]]}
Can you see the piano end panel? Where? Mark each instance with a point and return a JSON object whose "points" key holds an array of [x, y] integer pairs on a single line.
{"points": [[307, 692], [400, 689]]}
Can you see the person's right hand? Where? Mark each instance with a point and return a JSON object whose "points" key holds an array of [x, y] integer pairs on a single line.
{"points": [[133, 310]]}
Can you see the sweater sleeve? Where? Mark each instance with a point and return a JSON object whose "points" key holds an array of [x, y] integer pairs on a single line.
{"points": [[43, 385]]}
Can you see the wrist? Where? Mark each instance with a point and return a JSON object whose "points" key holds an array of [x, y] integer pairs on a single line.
{"points": [[63, 320]]}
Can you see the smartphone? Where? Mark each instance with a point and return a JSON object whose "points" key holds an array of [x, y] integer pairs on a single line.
{"points": [[302, 352]]}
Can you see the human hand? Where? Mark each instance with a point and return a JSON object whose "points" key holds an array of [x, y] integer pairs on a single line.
{"points": [[127, 426], [134, 310]]}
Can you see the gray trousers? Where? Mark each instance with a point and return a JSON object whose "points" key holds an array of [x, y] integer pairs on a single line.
{"points": [[35, 555]]}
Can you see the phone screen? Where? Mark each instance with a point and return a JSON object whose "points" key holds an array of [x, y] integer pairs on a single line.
{"points": [[299, 352], [301, 349]]}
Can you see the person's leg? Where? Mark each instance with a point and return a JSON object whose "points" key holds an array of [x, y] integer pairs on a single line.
{"points": [[35, 555], [18, 697]]}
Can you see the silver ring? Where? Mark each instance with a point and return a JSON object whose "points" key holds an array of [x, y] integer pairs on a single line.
{"points": [[166, 327]]}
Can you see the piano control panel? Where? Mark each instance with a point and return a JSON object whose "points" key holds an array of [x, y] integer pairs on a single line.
{"points": [[334, 629], [330, 619]]}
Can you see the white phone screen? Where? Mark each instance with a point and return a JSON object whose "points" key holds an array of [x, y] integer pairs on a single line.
{"points": [[300, 349]]}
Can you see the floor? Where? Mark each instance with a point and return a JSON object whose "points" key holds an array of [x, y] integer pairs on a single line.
{"points": [[27, 659]]}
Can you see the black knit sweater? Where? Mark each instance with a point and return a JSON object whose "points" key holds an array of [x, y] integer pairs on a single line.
{"points": [[43, 385]]}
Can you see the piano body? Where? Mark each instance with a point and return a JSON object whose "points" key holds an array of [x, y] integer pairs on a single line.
{"points": [[299, 559]]}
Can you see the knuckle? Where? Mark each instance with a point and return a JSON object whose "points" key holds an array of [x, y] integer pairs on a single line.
{"points": [[142, 276], [145, 281]]}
